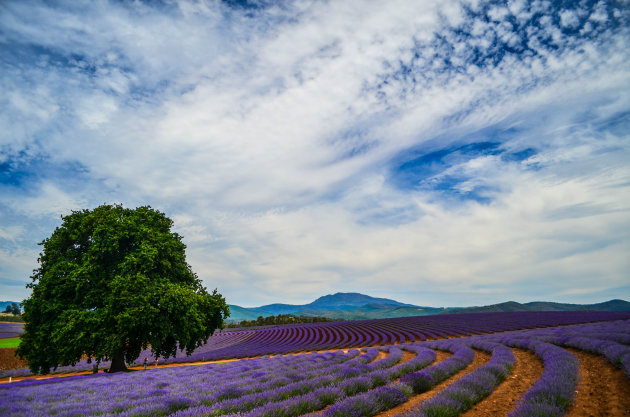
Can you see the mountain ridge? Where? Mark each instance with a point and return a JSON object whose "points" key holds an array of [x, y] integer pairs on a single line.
{"points": [[357, 306]]}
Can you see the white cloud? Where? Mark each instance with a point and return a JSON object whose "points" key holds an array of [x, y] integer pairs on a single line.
{"points": [[271, 137], [569, 18], [48, 201]]}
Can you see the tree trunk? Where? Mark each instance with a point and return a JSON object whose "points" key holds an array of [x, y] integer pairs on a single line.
{"points": [[118, 363]]}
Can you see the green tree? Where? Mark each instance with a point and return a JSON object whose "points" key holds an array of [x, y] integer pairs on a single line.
{"points": [[13, 308], [111, 282]]}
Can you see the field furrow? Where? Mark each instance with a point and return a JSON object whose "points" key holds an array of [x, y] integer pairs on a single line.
{"points": [[480, 359], [563, 370], [527, 370], [603, 389]]}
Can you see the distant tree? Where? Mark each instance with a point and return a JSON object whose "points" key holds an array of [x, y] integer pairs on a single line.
{"points": [[12, 308], [15, 309], [280, 319], [111, 282]]}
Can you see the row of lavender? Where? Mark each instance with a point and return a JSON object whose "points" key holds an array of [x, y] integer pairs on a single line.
{"points": [[338, 335], [9, 330], [332, 384]]}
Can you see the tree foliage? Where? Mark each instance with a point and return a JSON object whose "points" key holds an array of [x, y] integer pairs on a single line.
{"points": [[111, 282], [13, 308]]}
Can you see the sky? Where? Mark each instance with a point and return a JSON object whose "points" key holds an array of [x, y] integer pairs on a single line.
{"points": [[440, 153]]}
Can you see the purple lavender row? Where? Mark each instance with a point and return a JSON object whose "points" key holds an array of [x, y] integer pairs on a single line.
{"points": [[150, 396], [471, 388], [426, 379], [607, 339], [423, 358], [150, 389], [320, 336], [178, 390], [353, 399], [553, 393], [345, 384], [347, 380], [383, 398], [283, 341]]}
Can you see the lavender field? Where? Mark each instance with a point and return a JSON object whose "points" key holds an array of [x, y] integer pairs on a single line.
{"points": [[9, 330], [349, 382], [354, 334]]}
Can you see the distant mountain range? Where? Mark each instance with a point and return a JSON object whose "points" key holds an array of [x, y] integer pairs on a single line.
{"points": [[612, 305], [346, 306], [355, 306]]}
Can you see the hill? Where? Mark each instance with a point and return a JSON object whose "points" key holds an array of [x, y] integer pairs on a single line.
{"points": [[513, 306], [356, 306], [339, 306]]}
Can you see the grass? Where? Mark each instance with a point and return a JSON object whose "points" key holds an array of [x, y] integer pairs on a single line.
{"points": [[10, 343]]}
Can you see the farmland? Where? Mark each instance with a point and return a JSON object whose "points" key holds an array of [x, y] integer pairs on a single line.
{"points": [[408, 367]]}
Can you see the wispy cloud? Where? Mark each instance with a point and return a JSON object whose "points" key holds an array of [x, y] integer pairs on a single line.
{"points": [[419, 150]]}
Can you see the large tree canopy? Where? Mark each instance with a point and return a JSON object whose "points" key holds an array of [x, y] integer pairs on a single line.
{"points": [[111, 282]]}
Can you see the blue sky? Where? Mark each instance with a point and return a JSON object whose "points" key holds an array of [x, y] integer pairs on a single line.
{"points": [[441, 153]]}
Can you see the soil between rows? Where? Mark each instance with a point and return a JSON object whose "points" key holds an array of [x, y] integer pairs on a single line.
{"points": [[603, 390], [527, 370]]}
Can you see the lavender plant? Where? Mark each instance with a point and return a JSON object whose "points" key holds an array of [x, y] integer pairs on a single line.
{"points": [[356, 381], [553, 393]]}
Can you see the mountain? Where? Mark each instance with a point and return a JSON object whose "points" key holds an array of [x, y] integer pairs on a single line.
{"points": [[345, 306], [238, 313], [351, 299], [355, 306], [612, 305], [373, 311], [338, 301]]}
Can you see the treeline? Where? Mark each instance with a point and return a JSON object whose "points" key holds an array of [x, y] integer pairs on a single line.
{"points": [[276, 320], [11, 318], [12, 313]]}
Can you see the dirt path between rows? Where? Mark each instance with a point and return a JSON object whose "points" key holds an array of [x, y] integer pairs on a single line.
{"points": [[480, 359], [381, 355], [603, 389], [528, 368]]}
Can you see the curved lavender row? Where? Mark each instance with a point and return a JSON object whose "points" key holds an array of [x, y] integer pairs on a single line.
{"points": [[435, 326], [613, 351], [605, 338], [385, 397], [314, 392], [426, 379], [553, 393], [327, 395], [395, 355], [320, 336], [354, 382], [471, 388], [151, 389], [191, 390], [424, 357]]}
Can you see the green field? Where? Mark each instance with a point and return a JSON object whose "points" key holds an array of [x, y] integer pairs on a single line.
{"points": [[10, 343]]}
